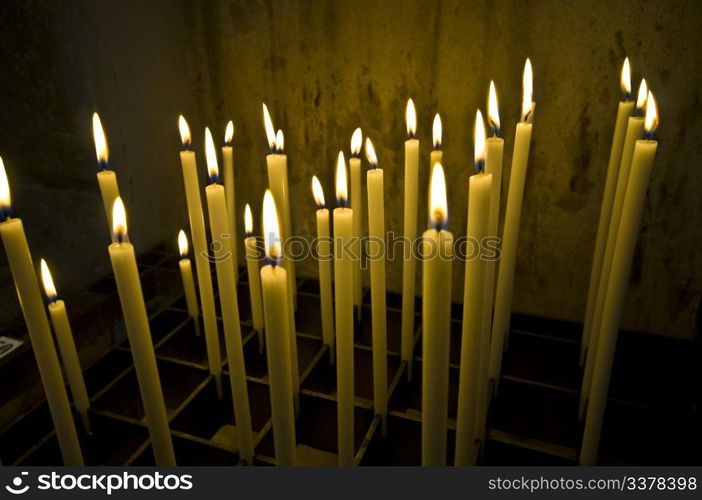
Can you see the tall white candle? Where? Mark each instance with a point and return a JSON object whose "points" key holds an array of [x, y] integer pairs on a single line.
{"points": [[357, 207], [252, 266], [324, 257], [229, 190], [186, 275], [107, 180], [437, 257]]}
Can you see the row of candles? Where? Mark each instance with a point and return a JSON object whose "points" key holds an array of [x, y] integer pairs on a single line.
{"points": [[273, 295]]}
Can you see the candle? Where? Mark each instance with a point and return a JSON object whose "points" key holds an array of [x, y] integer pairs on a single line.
{"points": [[376, 255], [69, 354], [20, 261], [230, 193], [472, 337], [131, 298], [202, 263], [624, 110], [252, 258], [324, 267], [356, 206], [437, 256], [343, 295], [409, 264], [629, 226], [634, 132], [186, 273], [224, 264], [275, 308], [107, 180], [513, 212]]}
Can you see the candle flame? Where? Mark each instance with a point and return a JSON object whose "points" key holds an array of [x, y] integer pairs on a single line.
{"points": [[5, 197], [411, 119], [436, 131], [493, 110], [626, 78], [271, 229], [48, 281], [211, 157], [479, 135], [318, 192], [182, 244], [279, 141], [527, 92], [268, 124], [438, 206], [641, 97], [356, 142], [184, 132], [341, 185], [229, 133], [370, 154], [119, 220], [101, 149], [651, 120], [248, 220]]}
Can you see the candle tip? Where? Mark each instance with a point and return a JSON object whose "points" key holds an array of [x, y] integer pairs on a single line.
{"points": [[438, 205], [100, 141], [356, 142], [341, 183], [5, 197], [436, 132], [370, 154], [248, 220], [651, 120], [48, 282], [184, 132], [493, 110], [411, 119], [119, 220], [318, 192], [182, 244], [271, 229], [479, 139], [211, 157], [626, 79], [229, 133]]}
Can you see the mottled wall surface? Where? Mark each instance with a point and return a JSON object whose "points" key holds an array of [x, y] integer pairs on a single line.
{"points": [[327, 67]]}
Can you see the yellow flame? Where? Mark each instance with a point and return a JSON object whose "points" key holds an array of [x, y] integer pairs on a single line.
{"points": [[493, 110], [5, 198], [182, 244], [411, 118], [438, 206], [370, 153], [341, 187], [211, 155], [48, 281], [356, 141], [99, 138], [271, 230], [248, 219], [280, 141], [229, 133], [479, 136], [184, 131], [317, 191], [626, 77], [119, 219], [268, 124], [436, 131], [641, 97], [651, 121], [527, 91]]}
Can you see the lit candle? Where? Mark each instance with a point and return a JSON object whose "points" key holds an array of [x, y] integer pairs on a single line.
{"points": [[357, 207], [343, 295], [474, 344], [437, 154], [186, 274], [229, 303], [107, 180], [634, 132], [228, 178], [20, 261], [324, 257], [629, 227], [69, 354], [409, 263], [376, 256], [131, 298], [275, 308], [437, 257], [252, 259], [202, 263], [513, 212], [624, 110]]}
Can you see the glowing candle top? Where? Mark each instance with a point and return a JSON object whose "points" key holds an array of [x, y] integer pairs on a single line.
{"points": [[211, 157], [342, 191], [229, 133], [184, 132], [271, 229], [651, 120], [527, 92], [5, 197], [356, 143], [641, 98], [270, 130], [436, 132], [119, 220], [370, 154], [411, 119], [318, 192], [438, 205], [248, 221], [182, 244], [101, 149], [626, 80], [493, 111], [279, 142], [48, 282], [479, 137]]}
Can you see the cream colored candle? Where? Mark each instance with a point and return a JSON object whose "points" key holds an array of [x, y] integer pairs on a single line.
{"points": [[202, 263], [343, 295], [276, 301], [615, 156], [252, 260], [228, 174], [357, 207], [20, 261], [472, 337], [634, 132], [629, 227], [131, 298], [226, 282], [324, 257], [107, 180], [376, 256], [67, 346], [409, 263], [513, 212], [186, 275]]}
